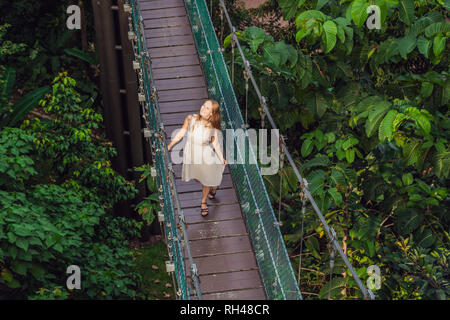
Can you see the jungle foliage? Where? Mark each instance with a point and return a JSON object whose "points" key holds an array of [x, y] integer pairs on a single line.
{"points": [[365, 113], [57, 187]]}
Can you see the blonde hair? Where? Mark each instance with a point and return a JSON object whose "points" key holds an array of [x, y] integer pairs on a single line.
{"points": [[215, 118]]}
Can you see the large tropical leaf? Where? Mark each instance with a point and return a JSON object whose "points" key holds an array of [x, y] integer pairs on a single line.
{"points": [[330, 32], [255, 36], [441, 163], [82, 55], [334, 287], [9, 77], [406, 11], [310, 14], [387, 126], [437, 27], [375, 117], [359, 12], [408, 220], [423, 45], [24, 105]]}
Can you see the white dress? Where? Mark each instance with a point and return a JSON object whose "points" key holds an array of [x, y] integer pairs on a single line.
{"points": [[200, 161]]}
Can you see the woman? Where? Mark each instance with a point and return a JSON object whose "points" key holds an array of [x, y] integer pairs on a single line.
{"points": [[199, 160]]}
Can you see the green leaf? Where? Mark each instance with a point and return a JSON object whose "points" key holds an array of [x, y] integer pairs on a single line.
{"points": [[334, 287], [425, 239], [310, 14], [321, 3], [441, 162], [335, 194], [437, 27], [25, 105], [320, 105], [350, 155], [22, 243], [375, 117], [330, 31], [37, 271], [406, 11], [412, 152], [408, 220], [82, 55], [370, 245], [307, 147], [9, 76], [313, 246], [423, 45], [406, 45], [427, 89], [359, 12], [302, 33], [319, 161], [407, 179], [337, 177], [387, 126], [255, 37], [439, 44]]}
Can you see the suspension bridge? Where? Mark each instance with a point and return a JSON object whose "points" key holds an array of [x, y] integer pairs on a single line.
{"points": [[237, 251]]}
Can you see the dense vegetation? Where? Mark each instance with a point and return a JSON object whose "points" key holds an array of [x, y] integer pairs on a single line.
{"points": [[57, 187], [366, 116]]}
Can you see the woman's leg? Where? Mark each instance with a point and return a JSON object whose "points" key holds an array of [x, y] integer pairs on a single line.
{"points": [[205, 191], [213, 192]]}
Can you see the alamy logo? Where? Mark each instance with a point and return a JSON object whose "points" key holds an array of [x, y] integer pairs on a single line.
{"points": [[374, 20], [74, 280], [74, 20], [374, 280], [241, 147]]}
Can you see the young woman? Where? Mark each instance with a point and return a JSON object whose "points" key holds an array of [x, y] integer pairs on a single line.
{"points": [[202, 155]]}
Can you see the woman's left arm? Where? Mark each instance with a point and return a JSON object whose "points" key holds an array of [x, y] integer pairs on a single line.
{"points": [[217, 146]]}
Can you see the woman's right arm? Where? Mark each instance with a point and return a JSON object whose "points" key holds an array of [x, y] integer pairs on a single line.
{"points": [[181, 132]]}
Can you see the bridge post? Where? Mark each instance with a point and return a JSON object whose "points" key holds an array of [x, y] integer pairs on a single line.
{"points": [[121, 109]]}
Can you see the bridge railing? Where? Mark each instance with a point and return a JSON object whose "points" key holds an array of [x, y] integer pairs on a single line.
{"points": [[174, 223], [271, 255]]}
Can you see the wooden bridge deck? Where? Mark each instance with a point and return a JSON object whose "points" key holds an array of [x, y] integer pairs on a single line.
{"points": [[220, 243]]}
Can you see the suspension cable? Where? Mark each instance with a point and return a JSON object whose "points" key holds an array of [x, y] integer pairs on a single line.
{"points": [[303, 197]]}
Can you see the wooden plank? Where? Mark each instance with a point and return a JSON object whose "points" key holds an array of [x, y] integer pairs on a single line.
{"points": [[225, 263], [208, 247], [170, 41], [230, 281], [193, 199], [216, 229], [216, 213], [160, 4], [178, 167], [177, 72], [185, 94], [190, 186], [169, 31], [181, 106], [172, 51], [166, 22], [246, 294], [164, 62], [175, 118], [181, 83], [163, 12]]}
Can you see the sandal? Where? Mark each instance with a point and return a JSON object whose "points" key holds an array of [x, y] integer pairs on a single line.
{"points": [[211, 194], [204, 210]]}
